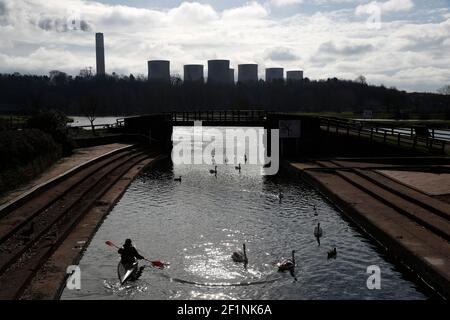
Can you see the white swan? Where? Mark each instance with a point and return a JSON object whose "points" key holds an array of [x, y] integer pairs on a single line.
{"points": [[287, 264], [240, 256]]}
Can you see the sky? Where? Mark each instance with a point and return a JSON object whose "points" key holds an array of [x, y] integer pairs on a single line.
{"points": [[397, 43]]}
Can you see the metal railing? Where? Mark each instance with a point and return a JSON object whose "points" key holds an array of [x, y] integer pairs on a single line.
{"points": [[406, 137], [220, 116]]}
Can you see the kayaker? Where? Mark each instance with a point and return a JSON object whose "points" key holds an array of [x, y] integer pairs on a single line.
{"points": [[128, 253]]}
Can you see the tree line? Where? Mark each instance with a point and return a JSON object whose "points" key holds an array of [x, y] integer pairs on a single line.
{"points": [[127, 95]]}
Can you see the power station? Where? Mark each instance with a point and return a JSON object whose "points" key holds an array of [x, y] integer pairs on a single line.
{"points": [[231, 76], [100, 54], [159, 71], [219, 71], [294, 75], [248, 73], [274, 74], [193, 73]]}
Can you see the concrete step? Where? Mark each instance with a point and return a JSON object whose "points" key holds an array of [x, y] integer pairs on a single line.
{"points": [[429, 203], [421, 250], [429, 220]]}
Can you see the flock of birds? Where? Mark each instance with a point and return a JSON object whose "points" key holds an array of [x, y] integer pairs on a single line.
{"points": [[285, 264]]}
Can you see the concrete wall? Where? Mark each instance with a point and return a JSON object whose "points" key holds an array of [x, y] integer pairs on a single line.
{"points": [[273, 74], [248, 73], [193, 72], [294, 75], [219, 71], [159, 71]]}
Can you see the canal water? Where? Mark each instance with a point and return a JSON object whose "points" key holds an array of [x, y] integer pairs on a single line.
{"points": [[197, 223]]}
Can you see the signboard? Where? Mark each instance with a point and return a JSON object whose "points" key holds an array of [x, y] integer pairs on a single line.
{"points": [[289, 128]]}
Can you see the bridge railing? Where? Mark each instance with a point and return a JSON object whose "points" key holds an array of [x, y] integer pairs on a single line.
{"points": [[407, 137], [220, 116]]}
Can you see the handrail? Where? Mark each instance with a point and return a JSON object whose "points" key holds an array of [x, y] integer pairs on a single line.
{"points": [[357, 128]]}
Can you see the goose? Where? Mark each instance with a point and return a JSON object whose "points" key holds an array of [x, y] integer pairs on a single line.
{"points": [[238, 167], [177, 179], [240, 256], [332, 253], [318, 231], [213, 171], [287, 264]]}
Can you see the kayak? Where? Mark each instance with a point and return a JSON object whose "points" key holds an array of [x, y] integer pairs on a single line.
{"points": [[126, 272]]}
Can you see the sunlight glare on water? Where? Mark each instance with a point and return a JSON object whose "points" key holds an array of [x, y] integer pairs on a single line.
{"points": [[197, 223]]}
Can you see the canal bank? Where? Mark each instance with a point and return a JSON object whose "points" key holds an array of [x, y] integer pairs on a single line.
{"points": [[45, 229], [410, 222], [50, 280]]}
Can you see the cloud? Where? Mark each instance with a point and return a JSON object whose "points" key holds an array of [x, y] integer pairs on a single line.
{"points": [[385, 7], [325, 44], [281, 54], [330, 48], [280, 3]]}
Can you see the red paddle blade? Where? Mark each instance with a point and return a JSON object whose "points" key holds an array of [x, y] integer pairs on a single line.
{"points": [[158, 264], [109, 243]]}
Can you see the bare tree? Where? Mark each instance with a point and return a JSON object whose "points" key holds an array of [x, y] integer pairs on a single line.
{"points": [[90, 107], [445, 90], [361, 79]]}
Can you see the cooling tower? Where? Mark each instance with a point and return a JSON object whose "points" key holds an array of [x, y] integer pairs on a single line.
{"points": [[193, 72], [295, 75], [248, 73], [231, 71], [219, 71], [100, 53], [273, 74], [159, 71]]}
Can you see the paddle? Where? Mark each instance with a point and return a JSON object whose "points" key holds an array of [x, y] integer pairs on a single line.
{"points": [[155, 263]]}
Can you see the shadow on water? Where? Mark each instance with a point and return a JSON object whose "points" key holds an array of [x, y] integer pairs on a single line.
{"points": [[196, 224]]}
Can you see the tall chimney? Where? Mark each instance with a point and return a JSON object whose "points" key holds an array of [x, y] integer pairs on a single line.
{"points": [[100, 54]]}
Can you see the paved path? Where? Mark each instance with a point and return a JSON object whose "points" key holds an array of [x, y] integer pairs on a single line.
{"points": [[433, 184], [78, 157]]}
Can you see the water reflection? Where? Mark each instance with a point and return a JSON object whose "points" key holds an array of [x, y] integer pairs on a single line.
{"points": [[197, 223]]}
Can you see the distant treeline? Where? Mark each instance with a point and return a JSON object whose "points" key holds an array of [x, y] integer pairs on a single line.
{"points": [[126, 95]]}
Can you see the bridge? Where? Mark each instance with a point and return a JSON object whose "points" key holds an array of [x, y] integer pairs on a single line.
{"points": [[305, 128]]}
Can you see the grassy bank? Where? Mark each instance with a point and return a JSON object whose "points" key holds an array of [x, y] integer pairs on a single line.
{"points": [[25, 154]]}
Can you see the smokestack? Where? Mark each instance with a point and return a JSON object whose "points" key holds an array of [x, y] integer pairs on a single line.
{"points": [[100, 54]]}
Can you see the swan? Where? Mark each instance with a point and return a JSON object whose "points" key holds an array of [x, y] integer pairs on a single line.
{"points": [[287, 264], [177, 179], [318, 231], [213, 171], [332, 253], [238, 167], [240, 256], [267, 165]]}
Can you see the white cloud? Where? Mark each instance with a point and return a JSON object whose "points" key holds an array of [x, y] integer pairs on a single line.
{"points": [[387, 6], [324, 44], [280, 3]]}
